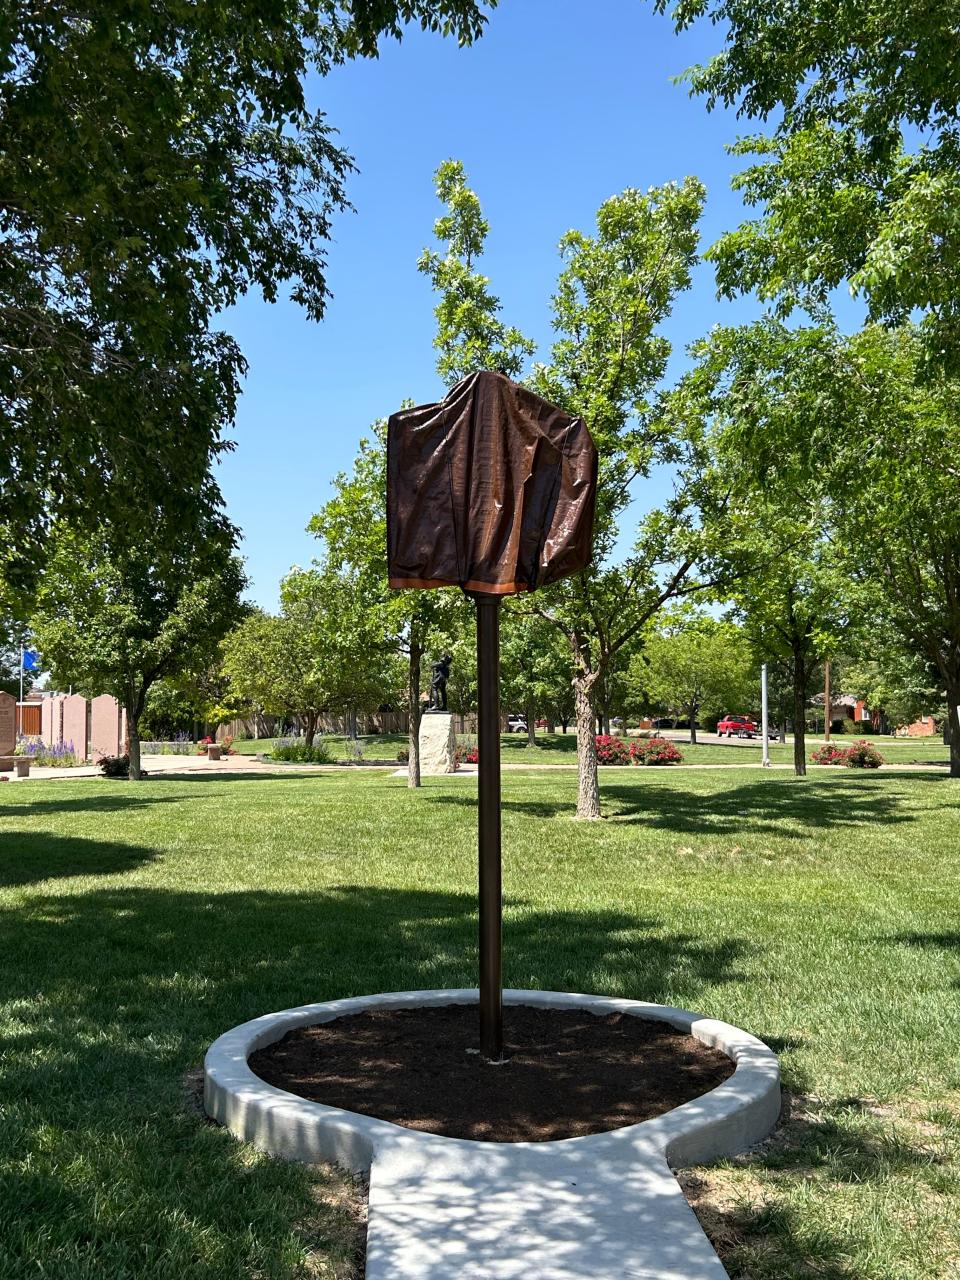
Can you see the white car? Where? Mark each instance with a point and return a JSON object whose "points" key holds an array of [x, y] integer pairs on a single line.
{"points": [[516, 724]]}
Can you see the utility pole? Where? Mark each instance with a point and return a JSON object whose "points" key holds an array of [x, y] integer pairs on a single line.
{"points": [[826, 701], [764, 716]]}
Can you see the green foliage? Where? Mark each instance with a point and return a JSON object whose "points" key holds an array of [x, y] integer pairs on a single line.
{"points": [[694, 665], [470, 335], [615, 289], [181, 167], [323, 652], [301, 752], [859, 181], [115, 617]]}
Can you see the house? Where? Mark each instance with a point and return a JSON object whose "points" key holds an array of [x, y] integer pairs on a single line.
{"points": [[846, 706]]}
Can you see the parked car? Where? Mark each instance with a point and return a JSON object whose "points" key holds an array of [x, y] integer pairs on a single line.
{"points": [[516, 724], [737, 727]]}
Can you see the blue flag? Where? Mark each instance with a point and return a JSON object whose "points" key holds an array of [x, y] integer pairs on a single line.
{"points": [[31, 659]]}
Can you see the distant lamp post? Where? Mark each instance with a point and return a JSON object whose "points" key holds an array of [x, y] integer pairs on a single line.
{"points": [[764, 717], [492, 490]]}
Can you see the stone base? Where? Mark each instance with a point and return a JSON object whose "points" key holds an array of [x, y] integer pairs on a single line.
{"points": [[438, 744]]}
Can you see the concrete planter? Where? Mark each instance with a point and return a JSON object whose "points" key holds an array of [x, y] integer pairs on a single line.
{"points": [[213, 751], [22, 767], [605, 1206]]}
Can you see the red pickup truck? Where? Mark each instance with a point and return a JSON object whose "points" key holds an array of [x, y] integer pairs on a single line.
{"points": [[739, 726]]}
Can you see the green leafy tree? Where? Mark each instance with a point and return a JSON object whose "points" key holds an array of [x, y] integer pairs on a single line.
{"points": [[321, 653], [694, 665], [859, 180], [115, 617], [615, 289], [757, 392], [353, 528], [181, 167]]}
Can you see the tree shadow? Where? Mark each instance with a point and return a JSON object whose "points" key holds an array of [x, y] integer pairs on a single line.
{"points": [[768, 806], [118, 991], [28, 857]]}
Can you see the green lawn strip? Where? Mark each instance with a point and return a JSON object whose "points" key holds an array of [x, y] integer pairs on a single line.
{"points": [[140, 921], [559, 748]]}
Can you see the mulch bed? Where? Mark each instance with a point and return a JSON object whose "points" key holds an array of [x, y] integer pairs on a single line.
{"points": [[569, 1072]]}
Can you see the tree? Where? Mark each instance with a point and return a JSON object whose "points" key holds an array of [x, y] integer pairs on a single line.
{"points": [[694, 665], [320, 653], [181, 167], [760, 393], [353, 528], [859, 182], [615, 289], [116, 617], [534, 667], [899, 524]]}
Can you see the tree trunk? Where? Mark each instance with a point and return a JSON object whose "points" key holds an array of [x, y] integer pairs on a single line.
{"points": [[799, 714], [133, 740], [352, 723], [551, 725], [588, 779], [413, 697], [310, 728], [693, 726], [782, 731], [564, 725], [531, 725], [953, 698]]}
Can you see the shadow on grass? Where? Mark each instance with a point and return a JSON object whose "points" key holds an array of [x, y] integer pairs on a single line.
{"points": [[27, 857], [116, 992], [772, 805]]}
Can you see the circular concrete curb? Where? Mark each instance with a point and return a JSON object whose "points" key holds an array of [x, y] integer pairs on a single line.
{"points": [[733, 1116]]}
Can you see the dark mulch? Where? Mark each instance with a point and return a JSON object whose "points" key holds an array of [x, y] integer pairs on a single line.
{"points": [[569, 1073]]}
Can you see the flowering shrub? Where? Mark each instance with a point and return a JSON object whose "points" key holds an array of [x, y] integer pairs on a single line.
{"points": [[296, 751], [612, 750], [655, 751], [861, 755], [62, 755]]}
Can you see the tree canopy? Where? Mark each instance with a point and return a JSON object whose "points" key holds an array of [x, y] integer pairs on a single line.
{"points": [[156, 162]]}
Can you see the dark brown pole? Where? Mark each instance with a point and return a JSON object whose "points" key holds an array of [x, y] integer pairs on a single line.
{"points": [[488, 823]]}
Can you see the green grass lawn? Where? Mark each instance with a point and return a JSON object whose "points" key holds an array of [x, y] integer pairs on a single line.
{"points": [[559, 748], [140, 921]]}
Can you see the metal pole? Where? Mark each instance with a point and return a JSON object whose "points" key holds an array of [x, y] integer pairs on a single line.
{"points": [[826, 701], [764, 716], [488, 823]]}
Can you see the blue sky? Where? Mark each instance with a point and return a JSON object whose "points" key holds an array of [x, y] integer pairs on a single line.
{"points": [[560, 105]]}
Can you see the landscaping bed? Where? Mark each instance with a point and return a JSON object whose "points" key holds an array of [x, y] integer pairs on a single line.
{"points": [[567, 1073]]}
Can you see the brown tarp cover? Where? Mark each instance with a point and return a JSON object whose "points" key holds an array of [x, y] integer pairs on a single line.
{"points": [[491, 490]]}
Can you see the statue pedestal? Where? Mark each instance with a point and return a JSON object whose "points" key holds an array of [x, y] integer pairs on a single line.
{"points": [[438, 743]]}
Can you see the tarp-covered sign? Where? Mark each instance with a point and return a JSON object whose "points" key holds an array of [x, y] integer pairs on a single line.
{"points": [[491, 490]]}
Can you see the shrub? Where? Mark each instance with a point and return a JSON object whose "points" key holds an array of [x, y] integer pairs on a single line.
{"points": [[863, 755], [116, 767], [296, 751], [845, 726], [403, 755], [860, 755], [656, 751], [612, 750], [355, 750]]}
